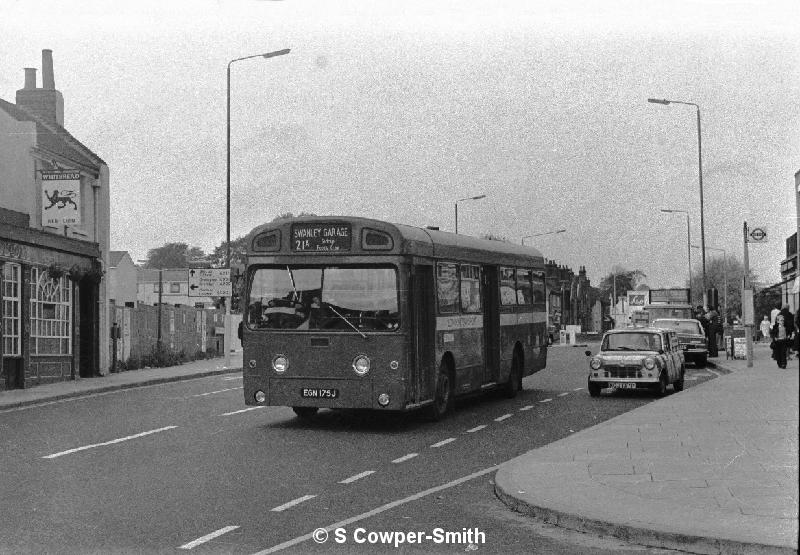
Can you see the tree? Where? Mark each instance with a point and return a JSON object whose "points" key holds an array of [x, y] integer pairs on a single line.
{"points": [[717, 268], [623, 280], [173, 255], [238, 252]]}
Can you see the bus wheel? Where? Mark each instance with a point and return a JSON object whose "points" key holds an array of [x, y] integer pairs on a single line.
{"points": [[514, 383], [305, 412], [443, 398]]}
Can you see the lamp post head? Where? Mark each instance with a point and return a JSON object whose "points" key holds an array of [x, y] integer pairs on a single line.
{"points": [[658, 101], [479, 197], [277, 53]]}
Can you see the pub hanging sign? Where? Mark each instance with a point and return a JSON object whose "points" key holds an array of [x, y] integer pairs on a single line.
{"points": [[61, 198]]}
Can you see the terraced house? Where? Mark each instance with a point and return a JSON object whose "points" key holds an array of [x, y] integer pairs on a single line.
{"points": [[54, 242]]}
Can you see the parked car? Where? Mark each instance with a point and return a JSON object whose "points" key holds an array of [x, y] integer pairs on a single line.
{"points": [[637, 358], [690, 336]]}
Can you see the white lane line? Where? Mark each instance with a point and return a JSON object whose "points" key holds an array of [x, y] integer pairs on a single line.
{"points": [[357, 477], [562, 394], [476, 428], [292, 503], [118, 440], [404, 458], [577, 389], [240, 411], [526, 407], [717, 374], [218, 391], [501, 418], [208, 537], [545, 400], [379, 510], [444, 442]]}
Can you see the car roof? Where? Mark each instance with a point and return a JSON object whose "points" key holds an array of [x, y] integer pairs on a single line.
{"points": [[638, 330], [676, 320]]}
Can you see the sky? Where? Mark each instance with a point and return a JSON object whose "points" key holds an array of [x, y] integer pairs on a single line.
{"points": [[395, 110]]}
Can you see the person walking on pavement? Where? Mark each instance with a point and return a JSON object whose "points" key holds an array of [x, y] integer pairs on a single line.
{"points": [[765, 328], [711, 332], [781, 335], [788, 319]]}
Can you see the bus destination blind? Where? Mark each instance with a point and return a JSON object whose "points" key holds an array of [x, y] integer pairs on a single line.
{"points": [[321, 237]]}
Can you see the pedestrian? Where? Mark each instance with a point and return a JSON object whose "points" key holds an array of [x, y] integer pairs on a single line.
{"points": [[764, 328], [772, 315], [712, 316], [788, 319], [780, 340]]}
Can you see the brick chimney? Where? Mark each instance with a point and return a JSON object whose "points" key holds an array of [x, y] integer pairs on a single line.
{"points": [[47, 103]]}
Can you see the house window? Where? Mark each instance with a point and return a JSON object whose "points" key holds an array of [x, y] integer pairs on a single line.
{"points": [[174, 287], [51, 314], [10, 292]]}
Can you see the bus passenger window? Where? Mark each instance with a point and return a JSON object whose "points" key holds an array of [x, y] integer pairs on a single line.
{"points": [[470, 288], [508, 291], [524, 289], [447, 288], [538, 288]]}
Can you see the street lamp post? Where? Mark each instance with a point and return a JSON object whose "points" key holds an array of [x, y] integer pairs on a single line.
{"points": [[688, 245], [228, 194], [462, 199], [700, 167], [725, 282], [540, 234]]}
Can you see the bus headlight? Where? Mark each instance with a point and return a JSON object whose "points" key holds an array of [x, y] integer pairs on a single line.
{"points": [[649, 363], [361, 365], [595, 364], [280, 364], [383, 399], [260, 396]]}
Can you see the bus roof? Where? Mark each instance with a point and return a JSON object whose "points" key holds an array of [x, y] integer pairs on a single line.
{"points": [[407, 239]]}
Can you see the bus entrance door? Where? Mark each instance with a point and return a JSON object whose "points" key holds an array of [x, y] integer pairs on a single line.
{"points": [[424, 317], [491, 324]]}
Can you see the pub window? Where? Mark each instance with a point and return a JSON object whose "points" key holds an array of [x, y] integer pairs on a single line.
{"points": [[470, 288], [11, 297], [51, 314], [447, 288], [508, 290], [524, 288]]}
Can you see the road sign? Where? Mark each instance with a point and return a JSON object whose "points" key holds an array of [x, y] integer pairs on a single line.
{"points": [[757, 234], [210, 282]]}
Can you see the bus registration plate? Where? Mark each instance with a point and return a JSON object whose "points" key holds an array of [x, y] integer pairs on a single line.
{"points": [[319, 393]]}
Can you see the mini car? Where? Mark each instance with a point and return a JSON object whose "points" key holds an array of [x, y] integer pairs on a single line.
{"points": [[690, 336], [637, 358]]}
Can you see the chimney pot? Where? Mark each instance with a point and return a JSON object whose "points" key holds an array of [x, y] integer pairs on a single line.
{"points": [[48, 79], [30, 78]]}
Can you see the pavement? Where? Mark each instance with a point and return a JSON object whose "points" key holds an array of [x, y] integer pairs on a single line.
{"points": [[713, 469]]}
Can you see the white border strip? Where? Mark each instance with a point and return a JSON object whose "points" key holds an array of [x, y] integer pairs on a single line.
{"points": [[357, 477], [404, 458], [240, 411], [118, 440], [208, 537], [476, 428], [292, 503], [444, 442], [501, 418]]}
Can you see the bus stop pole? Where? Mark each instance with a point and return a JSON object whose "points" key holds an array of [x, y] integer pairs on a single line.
{"points": [[747, 304], [227, 339]]}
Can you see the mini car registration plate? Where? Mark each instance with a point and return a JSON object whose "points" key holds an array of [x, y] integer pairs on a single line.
{"points": [[319, 393], [623, 385]]}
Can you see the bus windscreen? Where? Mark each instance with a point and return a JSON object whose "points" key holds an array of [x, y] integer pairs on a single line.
{"points": [[327, 298]]}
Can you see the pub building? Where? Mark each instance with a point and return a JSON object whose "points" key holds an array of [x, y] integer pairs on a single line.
{"points": [[54, 242]]}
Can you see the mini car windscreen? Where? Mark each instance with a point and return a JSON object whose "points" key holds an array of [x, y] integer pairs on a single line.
{"points": [[641, 341]]}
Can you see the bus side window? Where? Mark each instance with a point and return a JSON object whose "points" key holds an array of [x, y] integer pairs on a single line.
{"points": [[470, 288], [524, 289], [508, 290], [447, 288]]}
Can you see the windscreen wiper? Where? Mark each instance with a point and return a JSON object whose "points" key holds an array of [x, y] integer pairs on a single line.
{"points": [[291, 278], [349, 323]]}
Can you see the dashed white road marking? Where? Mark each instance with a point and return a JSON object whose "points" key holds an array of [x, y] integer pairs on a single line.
{"points": [[292, 503], [717, 374], [118, 440], [404, 458], [240, 411], [379, 510], [476, 428], [687, 378], [444, 442], [526, 407], [501, 418], [232, 378], [545, 400], [357, 477], [208, 537], [218, 391], [577, 389], [562, 394]]}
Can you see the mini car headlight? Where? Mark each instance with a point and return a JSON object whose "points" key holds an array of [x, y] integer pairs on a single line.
{"points": [[383, 399], [595, 364], [361, 365], [280, 364], [649, 363]]}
